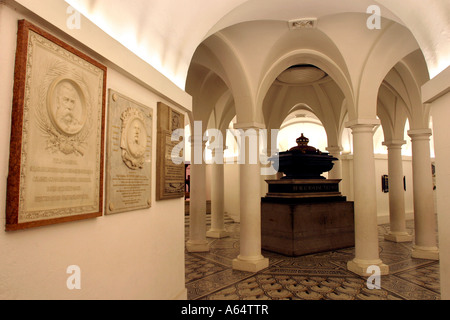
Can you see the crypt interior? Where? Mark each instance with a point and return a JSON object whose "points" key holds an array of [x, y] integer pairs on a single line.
{"points": [[367, 82]]}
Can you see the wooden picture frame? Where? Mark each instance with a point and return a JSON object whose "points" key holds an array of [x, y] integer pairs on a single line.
{"points": [[171, 177], [57, 133]]}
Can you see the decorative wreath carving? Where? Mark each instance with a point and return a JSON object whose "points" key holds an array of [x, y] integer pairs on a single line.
{"points": [[64, 112]]}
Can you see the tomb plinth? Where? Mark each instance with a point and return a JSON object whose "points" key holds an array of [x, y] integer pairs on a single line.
{"points": [[303, 161], [304, 213]]}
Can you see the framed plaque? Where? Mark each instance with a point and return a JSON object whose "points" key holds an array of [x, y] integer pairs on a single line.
{"points": [[57, 134], [129, 155], [171, 178]]}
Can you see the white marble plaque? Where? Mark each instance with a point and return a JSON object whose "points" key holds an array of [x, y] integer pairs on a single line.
{"points": [[171, 176], [57, 176], [129, 155]]}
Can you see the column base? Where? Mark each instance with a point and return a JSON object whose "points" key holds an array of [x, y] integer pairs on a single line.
{"points": [[427, 253], [197, 246], [217, 233], [398, 237], [360, 267], [250, 265]]}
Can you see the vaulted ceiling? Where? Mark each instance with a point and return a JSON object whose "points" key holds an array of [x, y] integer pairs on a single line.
{"points": [[166, 33], [231, 55]]}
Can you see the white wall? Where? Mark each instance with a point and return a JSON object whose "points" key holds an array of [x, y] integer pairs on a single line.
{"points": [[437, 93], [133, 255]]}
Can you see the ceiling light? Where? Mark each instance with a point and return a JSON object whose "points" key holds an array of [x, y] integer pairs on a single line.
{"points": [[305, 23]]}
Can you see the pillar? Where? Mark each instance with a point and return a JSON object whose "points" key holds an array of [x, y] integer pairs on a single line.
{"points": [[197, 208], [217, 229], [366, 226], [397, 216], [250, 258], [425, 245]]}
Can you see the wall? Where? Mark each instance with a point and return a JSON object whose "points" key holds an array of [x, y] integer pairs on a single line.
{"points": [[437, 94], [381, 168], [133, 255]]}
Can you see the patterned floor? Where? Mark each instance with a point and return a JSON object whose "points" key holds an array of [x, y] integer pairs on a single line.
{"points": [[323, 276]]}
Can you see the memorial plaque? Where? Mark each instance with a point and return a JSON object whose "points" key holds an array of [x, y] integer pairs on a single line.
{"points": [[171, 177], [56, 151], [129, 155]]}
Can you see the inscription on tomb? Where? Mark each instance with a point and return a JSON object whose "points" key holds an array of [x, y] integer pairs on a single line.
{"points": [[303, 188]]}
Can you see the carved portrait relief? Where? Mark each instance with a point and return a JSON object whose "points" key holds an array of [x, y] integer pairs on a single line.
{"points": [[134, 138], [64, 113], [67, 107]]}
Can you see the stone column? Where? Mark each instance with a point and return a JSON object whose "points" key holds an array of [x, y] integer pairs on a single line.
{"points": [[366, 226], [398, 231], [250, 258], [336, 172], [217, 229], [425, 246], [197, 228]]}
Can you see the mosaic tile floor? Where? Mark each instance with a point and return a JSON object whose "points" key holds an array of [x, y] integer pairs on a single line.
{"points": [[322, 276]]}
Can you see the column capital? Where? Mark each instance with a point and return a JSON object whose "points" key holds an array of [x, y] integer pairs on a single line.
{"points": [[362, 123], [335, 149], [394, 143], [420, 133], [249, 125]]}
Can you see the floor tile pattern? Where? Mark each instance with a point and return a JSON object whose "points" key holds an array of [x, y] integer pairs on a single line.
{"points": [[321, 276]]}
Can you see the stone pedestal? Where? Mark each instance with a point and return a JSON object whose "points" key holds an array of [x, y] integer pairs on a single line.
{"points": [[301, 226], [304, 213]]}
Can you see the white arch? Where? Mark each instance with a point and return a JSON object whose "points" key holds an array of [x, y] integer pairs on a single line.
{"points": [[306, 56]]}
